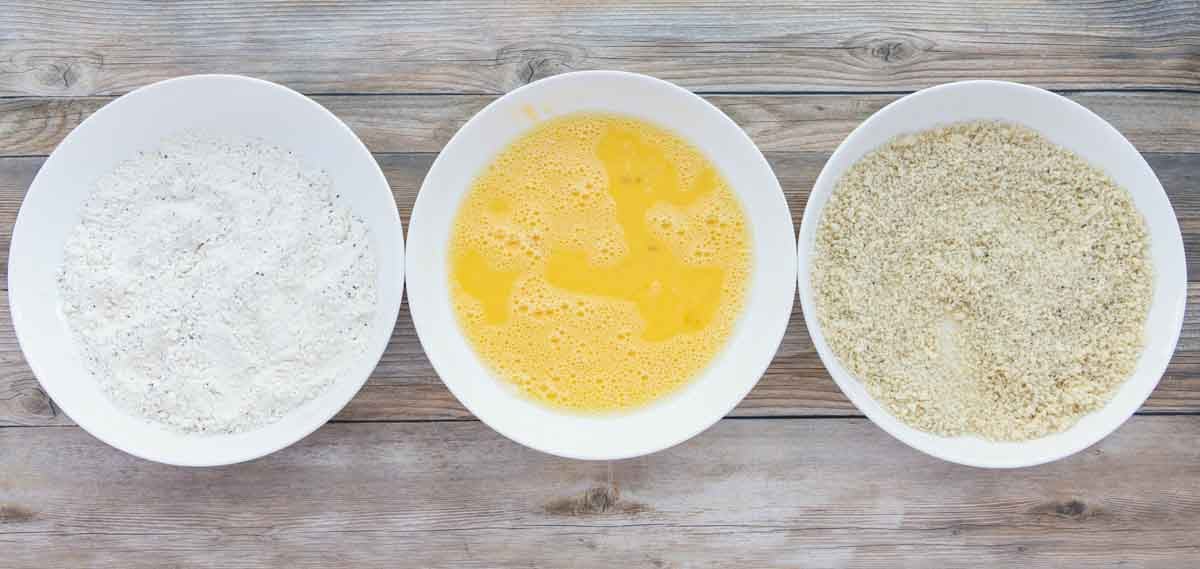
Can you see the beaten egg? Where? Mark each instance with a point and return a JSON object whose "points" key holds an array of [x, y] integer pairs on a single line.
{"points": [[598, 263]]}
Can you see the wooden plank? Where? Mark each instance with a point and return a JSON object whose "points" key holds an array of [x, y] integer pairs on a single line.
{"points": [[465, 46], [750, 493], [1154, 122], [404, 386]]}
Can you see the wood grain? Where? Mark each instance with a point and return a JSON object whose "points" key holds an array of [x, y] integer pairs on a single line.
{"points": [[405, 386], [103, 47], [1154, 122], [750, 493]]}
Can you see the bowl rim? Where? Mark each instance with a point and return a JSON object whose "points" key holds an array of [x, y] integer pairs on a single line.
{"points": [[825, 184], [22, 233], [423, 323]]}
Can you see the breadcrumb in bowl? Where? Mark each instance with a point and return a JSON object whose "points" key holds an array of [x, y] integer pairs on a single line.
{"points": [[1014, 415]]}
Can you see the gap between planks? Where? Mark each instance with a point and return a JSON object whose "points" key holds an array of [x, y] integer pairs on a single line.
{"points": [[702, 93]]}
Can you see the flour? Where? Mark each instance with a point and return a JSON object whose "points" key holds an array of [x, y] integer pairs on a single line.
{"points": [[213, 284]]}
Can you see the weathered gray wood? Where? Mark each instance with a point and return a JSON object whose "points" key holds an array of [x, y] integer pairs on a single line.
{"points": [[112, 46], [405, 386], [1154, 122], [751, 493]]}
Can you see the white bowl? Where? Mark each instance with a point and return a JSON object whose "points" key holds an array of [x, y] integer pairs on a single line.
{"points": [[224, 105], [674, 418], [1071, 126]]}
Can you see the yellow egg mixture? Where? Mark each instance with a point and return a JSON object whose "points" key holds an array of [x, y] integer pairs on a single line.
{"points": [[599, 263]]}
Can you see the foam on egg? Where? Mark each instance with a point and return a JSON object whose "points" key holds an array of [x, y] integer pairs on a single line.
{"points": [[599, 263]]}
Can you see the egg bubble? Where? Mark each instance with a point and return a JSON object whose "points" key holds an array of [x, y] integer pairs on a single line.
{"points": [[549, 191]]}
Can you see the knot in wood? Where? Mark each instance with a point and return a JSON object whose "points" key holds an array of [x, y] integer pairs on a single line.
{"points": [[888, 50], [54, 73], [594, 501], [599, 499], [1073, 509], [14, 514], [36, 403], [538, 61]]}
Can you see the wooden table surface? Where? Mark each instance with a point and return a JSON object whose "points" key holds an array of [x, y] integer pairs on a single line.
{"points": [[795, 477]]}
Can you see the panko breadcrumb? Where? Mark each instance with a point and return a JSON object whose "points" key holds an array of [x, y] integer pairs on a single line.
{"points": [[979, 279]]}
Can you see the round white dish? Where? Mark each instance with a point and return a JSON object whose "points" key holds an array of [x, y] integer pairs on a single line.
{"points": [[1071, 126], [221, 105], [672, 419]]}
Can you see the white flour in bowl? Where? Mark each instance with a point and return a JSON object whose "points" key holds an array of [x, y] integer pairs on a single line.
{"points": [[214, 284]]}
